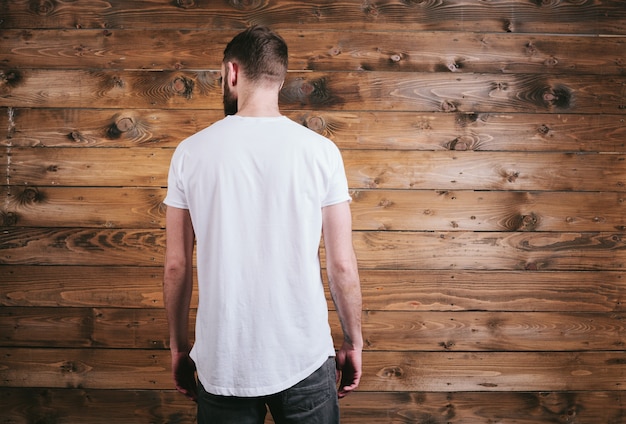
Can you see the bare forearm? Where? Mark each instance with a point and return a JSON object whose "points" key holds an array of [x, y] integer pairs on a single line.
{"points": [[342, 270], [345, 290], [177, 290], [177, 278]]}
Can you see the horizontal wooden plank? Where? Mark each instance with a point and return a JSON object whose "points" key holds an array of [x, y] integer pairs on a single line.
{"points": [[70, 406], [349, 91], [398, 210], [86, 167], [84, 327], [320, 51], [587, 17], [445, 170], [422, 290], [410, 210], [51, 246], [439, 250], [540, 132], [382, 330], [86, 368], [47, 327], [24, 406], [82, 286], [491, 251], [365, 169], [380, 130], [150, 128], [483, 408], [389, 290], [383, 371], [84, 207], [491, 331], [554, 371]]}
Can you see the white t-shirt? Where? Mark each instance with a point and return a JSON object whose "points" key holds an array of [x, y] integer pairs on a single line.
{"points": [[255, 189]]}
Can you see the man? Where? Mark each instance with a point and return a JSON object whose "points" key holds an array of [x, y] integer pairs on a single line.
{"points": [[255, 191]]}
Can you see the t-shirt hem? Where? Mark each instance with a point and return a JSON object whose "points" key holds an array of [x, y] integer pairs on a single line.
{"points": [[265, 391]]}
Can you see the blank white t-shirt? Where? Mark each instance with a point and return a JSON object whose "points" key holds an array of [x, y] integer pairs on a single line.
{"points": [[255, 189]]}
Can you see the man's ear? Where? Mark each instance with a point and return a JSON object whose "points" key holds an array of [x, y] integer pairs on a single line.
{"points": [[233, 73]]}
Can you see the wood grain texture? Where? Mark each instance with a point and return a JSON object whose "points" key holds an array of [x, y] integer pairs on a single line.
{"points": [[396, 210], [318, 51], [411, 210], [349, 91], [484, 145], [84, 128], [491, 251], [389, 290], [102, 207], [377, 130], [101, 406], [365, 169], [583, 17], [376, 250], [385, 371], [124, 328]]}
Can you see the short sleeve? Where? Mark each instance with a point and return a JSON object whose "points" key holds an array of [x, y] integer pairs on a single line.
{"points": [[337, 183], [175, 196]]}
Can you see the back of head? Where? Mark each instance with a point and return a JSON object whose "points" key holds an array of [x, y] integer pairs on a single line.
{"points": [[260, 52]]}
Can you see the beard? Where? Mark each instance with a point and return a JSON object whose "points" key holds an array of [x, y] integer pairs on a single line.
{"points": [[230, 101]]}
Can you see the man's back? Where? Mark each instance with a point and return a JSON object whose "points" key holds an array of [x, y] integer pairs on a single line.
{"points": [[255, 189]]}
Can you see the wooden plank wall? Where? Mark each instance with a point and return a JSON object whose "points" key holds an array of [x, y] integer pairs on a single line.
{"points": [[485, 146]]}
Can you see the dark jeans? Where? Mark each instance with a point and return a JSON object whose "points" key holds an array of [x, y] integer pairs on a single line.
{"points": [[311, 401]]}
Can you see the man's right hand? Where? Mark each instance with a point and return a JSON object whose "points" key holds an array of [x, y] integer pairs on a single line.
{"points": [[184, 372]]}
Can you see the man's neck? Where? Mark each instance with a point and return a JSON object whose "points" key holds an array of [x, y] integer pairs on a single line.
{"points": [[260, 103]]}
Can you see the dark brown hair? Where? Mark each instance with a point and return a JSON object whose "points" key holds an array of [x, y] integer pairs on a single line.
{"points": [[260, 52]]}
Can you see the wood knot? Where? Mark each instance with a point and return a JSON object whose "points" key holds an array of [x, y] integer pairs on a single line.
{"points": [[560, 97], [183, 86], [125, 124], [42, 7], [551, 61], [462, 143], [247, 4], [448, 106], [371, 10], [335, 51], [75, 136], [447, 345], [531, 50], [500, 86], [465, 119], [510, 176], [117, 82], [302, 91], [10, 78], [68, 367], [529, 219], [391, 372], [385, 203], [30, 196], [120, 126], [8, 219], [316, 123], [528, 222], [454, 66], [185, 4], [543, 129]]}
